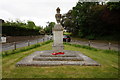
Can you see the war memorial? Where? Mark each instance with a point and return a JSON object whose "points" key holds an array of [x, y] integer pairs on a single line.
{"points": [[57, 56]]}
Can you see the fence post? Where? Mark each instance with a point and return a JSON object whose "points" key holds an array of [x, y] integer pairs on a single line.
{"points": [[14, 45], [37, 40], [28, 43], [66, 40], [109, 46], [48, 38], [89, 43], [51, 38]]}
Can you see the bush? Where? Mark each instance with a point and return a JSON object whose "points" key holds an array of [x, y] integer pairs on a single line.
{"points": [[18, 31], [90, 37]]}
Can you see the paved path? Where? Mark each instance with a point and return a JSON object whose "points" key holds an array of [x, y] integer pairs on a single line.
{"points": [[11, 46], [97, 44]]}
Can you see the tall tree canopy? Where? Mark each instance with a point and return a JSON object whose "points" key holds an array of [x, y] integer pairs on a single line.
{"points": [[91, 20], [31, 24]]}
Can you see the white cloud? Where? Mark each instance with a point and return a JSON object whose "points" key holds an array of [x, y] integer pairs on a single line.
{"points": [[39, 11]]}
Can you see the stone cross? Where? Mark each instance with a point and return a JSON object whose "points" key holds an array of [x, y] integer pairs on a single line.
{"points": [[58, 33]]}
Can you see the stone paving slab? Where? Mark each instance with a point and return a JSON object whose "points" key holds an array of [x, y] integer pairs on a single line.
{"points": [[57, 63], [28, 61], [65, 55], [58, 58]]}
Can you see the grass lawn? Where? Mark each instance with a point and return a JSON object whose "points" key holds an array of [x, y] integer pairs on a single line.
{"points": [[67, 33], [108, 68]]}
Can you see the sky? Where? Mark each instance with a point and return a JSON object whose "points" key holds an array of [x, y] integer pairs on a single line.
{"points": [[39, 11]]}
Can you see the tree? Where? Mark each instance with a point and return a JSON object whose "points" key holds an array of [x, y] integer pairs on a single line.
{"points": [[67, 21], [48, 29], [113, 5], [31, 24], [91, 20]]}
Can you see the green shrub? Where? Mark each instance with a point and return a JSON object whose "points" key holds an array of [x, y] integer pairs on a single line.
{"points": [[91, 37], [18, 31]]}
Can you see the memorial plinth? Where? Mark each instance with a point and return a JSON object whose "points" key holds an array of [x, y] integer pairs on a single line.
{"points": [[57, 38], [44, 58]]}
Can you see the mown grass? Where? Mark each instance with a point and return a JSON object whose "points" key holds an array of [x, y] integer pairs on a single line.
{"points": [[108, 68], [67, 33]]}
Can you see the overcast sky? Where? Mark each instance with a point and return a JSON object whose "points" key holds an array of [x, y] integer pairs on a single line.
{"points": [[39, 11]]}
